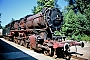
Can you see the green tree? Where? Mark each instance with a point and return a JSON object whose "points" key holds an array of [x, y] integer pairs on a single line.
{"points": [[69, 23], [12, 20], [75, 25], [71, 5], [3, 27], [87, 14], [41, 4], [82, 5]]}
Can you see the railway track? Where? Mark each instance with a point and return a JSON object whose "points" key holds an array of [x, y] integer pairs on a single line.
{"points": [[41, 56]]}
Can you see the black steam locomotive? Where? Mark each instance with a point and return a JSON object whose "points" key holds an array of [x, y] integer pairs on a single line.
{"points": [[37, 32]]}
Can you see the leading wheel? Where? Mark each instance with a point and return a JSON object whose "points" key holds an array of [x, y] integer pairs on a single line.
{"points": [[49, 52], [46, 53]]}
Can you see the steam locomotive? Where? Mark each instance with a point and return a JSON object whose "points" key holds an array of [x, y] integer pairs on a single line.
{"points": [[37, 32]]}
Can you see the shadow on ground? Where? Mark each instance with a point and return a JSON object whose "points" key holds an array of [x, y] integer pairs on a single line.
{"points": [[8, 52]]}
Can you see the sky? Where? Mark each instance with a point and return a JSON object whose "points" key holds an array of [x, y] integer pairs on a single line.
{"points": [[19, 8]]}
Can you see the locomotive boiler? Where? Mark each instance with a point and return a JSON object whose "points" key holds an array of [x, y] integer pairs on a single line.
{"points": [[37, 32]]}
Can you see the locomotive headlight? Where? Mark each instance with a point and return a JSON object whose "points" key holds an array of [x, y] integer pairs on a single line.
{"points": [[58, 18], [57, 15]]}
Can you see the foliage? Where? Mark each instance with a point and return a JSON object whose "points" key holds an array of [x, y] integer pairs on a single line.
{"points": [[3, 27], [85, 38], [69, 23], [77, 19], [87, 14], [12, 20], [58, 33], [71, 5], [78, 5], [75, 25], [82, 5], [41, 4], [37, 9]]}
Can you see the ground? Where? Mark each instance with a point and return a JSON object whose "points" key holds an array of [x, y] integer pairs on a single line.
{"points": [[85, 51], [25, 53]]}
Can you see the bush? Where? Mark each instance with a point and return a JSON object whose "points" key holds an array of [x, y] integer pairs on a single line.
{"points": [[85, 38], [76, 26], [77, 38]]}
